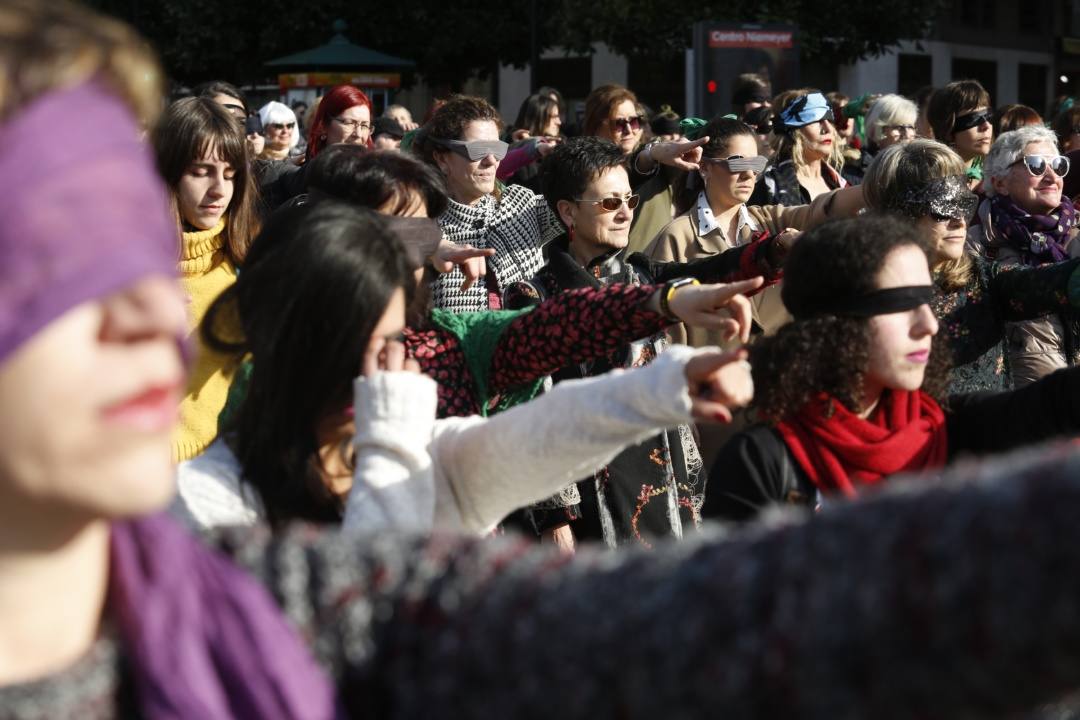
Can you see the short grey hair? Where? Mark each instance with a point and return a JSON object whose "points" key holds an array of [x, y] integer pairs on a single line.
{"points": [[889, 110], [1009, 147]]}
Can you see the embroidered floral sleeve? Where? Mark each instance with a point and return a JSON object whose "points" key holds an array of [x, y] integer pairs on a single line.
{"points": [[440, 358], [570, 328]]}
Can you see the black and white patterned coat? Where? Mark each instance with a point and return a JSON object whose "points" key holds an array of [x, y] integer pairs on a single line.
{"points": [[517, 226]]}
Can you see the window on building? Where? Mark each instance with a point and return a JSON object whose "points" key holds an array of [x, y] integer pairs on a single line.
{"points": [[1032, 17], [978, 14], [1032, 81], [985, 71], [913, 72]]}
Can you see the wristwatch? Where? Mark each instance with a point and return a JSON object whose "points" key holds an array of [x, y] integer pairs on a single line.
{"points": [[668, 292]]}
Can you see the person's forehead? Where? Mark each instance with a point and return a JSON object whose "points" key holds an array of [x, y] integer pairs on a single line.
{"points": [[356, 112], [904, 266], [480, 130], [612, 181]]}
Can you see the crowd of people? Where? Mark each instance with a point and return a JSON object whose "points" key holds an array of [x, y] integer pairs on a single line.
{"points": [[318, 414]]}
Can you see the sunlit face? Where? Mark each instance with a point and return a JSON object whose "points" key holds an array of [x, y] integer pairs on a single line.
{"points": [[594, 226], [401, 115], [724, 188], [900, 130], [947, 237], [900, 342], [279, 135], [817, 140], [205, 190], [1037, 195], [353, 126], [93, 398], [620, 127], [554, 123], [973, 142], [468, 180]]}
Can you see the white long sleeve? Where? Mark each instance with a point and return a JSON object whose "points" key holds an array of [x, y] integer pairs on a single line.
{"points": [[393, 482], [490, 468], [416, 474]]}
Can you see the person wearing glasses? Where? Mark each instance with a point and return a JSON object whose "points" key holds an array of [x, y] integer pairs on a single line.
{"points": [[611, 112], [343, 116], [924, 182], [891, 120], [1026, 220], [721, 218], [282, 132], [652, 490], [807, 157], [961, 117]]}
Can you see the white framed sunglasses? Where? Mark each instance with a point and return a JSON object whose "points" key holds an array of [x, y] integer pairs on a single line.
{"points": [[1037, 164]]}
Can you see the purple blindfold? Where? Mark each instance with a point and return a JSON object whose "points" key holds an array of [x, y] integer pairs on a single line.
{"points": [[79, 219]]}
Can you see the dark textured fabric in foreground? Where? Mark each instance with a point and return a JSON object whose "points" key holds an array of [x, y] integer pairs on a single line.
{"points": [[958, 600]]}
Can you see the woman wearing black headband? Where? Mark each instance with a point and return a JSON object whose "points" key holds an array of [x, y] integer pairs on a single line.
{"points": [[850, 390], [807, 156], [923, 182], [962, 118]]}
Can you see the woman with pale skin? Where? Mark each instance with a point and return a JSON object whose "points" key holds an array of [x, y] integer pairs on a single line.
{"points": [[462, 142], [807, 156], [849, 389], [1026, 220], [611, 112], [281, 131], [343, 117], [201, 155], [924, 183], [961, 116]]}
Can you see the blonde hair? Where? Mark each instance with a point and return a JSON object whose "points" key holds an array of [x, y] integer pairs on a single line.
{"points": [[789, 145], [46, 46], [897, 170]]}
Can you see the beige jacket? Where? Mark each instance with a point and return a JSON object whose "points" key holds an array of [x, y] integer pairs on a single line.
{"points": [[682, 240], [1035, 347]]}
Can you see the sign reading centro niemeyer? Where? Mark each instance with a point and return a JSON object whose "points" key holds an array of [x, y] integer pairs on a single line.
{"points": [[723, 51]]}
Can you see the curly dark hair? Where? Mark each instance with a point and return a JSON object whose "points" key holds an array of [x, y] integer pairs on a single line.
{"points": [[821, 352], [449, 121]]}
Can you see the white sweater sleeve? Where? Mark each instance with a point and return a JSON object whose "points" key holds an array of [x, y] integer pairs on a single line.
{"points": [[487, 468], [393, 484]]}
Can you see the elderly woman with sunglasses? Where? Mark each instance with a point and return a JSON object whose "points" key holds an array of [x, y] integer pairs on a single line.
{"points": [[807, 156], [924, 182], [1026, 220]]}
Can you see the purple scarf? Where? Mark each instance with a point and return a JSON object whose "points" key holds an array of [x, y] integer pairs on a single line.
{"points": [[1039, 238], [205, 639]]}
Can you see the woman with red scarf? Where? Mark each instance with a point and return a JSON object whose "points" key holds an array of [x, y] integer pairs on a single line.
{"points": [[852, 389]]}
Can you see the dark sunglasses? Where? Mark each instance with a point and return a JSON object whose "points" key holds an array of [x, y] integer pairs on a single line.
{"points": [[974, 119], [282, 126], [611, 204], [474, 150], [1037, 164], [630, 123], [738, 164]]}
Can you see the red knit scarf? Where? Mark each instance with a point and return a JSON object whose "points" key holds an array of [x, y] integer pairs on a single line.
{"points": [[840, 451]]}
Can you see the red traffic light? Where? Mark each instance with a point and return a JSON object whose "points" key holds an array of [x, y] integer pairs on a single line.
{"points": [[711, 86]]}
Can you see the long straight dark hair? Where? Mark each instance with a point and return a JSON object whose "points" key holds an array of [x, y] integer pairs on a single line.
{"points": [[187, 131], [316, 283]]}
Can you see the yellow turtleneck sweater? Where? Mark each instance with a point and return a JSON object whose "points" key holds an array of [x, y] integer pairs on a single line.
{"points": [[205, 271]]}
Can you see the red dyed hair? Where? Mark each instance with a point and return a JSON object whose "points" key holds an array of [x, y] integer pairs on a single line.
{"points": [[336, 101]]}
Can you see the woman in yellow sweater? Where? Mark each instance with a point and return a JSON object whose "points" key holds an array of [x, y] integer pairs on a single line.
{"points": [[202, 157]]}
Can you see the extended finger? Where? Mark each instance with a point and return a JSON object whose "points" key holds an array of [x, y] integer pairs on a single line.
{"points": [[703, 410], [370, 364], [393, 356]]}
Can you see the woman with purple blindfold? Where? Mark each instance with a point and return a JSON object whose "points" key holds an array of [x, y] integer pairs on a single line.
{"points": [[807, 156], [925, 182]]}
